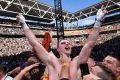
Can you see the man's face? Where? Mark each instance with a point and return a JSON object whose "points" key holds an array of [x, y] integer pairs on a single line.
{"points": [[65, 47], [111, 63]]}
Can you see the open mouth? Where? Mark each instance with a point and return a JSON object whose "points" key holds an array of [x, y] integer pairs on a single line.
{"points": [[67, 48]]}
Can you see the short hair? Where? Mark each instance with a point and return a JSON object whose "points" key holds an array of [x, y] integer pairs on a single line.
{"points": [[31, 55], [28, 63], [115, 55], [107, 73], [62, 39], [3, 68]]}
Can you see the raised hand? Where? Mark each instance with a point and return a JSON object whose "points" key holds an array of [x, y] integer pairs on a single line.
{"points": [[100, 16], [26, 69], [101, 13], [20, 18]]}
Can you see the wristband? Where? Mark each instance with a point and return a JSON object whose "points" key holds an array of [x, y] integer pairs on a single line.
{"points": [[97, 23], [100, 17], [24, 25]]}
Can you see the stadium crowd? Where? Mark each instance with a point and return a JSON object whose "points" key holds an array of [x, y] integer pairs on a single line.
{"points": [[19, 53], [18, 31], [10, 43], [14, 46]]}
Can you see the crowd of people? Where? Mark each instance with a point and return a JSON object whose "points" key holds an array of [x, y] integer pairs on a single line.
{"points": [[14, 46], [13, 23], [18, 31], [44, 65]]}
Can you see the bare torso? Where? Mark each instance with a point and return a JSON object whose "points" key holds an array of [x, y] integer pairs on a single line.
{"points": [[63, 70]]}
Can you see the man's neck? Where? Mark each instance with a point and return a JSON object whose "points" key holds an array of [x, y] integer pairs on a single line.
{"points": [[64, 58]]}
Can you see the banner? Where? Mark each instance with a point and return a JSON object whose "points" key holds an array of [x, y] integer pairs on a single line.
{"points": [[72, 32], [87, 31]]}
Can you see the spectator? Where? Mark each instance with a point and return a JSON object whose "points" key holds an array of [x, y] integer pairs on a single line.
{"points": [[3, 73], [24, 71], [34, 73], [112, 61], [100, 72]]}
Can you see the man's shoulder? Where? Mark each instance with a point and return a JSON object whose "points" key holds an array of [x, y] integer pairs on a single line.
{"points": [[74, 60]]}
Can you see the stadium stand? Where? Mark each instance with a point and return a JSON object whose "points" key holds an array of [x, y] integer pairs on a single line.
{"points": [[14, 47]]}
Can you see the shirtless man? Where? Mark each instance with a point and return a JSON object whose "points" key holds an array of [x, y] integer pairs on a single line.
{"points": [[63, 68], [112, 61]]}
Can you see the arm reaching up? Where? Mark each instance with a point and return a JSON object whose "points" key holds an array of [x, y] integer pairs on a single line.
{"points": [[92, 38], [24, 71], [40, 51], [101, 13]]}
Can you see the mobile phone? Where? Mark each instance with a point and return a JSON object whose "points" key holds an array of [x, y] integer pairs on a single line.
{"points": [[84, 69]]}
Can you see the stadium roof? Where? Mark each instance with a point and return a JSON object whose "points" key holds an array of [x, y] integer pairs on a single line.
{"points": [[111, 5], [34, 10]]}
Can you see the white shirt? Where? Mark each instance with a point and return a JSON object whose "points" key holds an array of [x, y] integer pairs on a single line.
{"points": [[6, 77]]}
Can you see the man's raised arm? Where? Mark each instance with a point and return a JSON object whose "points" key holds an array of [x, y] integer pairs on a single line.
{"points": [[40, 51], [92, 38]]}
